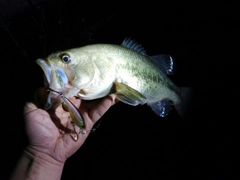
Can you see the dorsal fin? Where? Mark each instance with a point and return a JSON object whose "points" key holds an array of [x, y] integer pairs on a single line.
{"points": [[165, 62], [132, 44]]}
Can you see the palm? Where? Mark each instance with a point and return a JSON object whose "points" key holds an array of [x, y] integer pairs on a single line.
{"points": [[50, 132]]}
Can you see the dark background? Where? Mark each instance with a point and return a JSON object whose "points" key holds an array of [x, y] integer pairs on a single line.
{"points": [[132, 142]]}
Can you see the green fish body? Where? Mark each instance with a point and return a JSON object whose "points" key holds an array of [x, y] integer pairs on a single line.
{"points": [[94, 71]]}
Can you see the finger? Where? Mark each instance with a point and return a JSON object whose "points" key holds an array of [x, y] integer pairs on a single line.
{"points": [[37, 100], [40, 97], [91, 104], [98, 111]]}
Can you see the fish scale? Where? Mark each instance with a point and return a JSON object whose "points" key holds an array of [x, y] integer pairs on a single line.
{"points": [[94, 71]]}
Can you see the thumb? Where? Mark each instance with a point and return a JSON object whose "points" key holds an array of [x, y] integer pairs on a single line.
{"points": [[40, 97]]}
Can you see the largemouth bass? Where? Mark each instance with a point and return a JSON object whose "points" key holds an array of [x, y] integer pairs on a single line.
{"points": [[94, 71]]}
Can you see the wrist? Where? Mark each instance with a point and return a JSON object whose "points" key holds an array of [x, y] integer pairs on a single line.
{"points": [[42, 157], [44, 163], [37, 165]]}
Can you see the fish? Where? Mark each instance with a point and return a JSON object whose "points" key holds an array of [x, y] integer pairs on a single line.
{"points": [[97, 70]]}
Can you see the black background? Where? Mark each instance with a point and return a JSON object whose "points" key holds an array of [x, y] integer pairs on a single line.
{"points": [[132, 142]]}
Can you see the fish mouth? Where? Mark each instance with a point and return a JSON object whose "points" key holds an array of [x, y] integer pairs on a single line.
{"points": [[46, 71], [55, 80]]}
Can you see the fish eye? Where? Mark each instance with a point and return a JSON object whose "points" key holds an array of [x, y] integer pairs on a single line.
{"points": [[66, 58]]}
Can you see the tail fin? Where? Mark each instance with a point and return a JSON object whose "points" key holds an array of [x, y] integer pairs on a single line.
{"points": [[185, 107]]}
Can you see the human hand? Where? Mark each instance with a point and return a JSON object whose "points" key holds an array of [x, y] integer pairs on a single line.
{"points": [[49, 132]]}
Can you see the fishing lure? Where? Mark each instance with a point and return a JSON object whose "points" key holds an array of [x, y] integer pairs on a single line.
{"points": [[75, 114]]}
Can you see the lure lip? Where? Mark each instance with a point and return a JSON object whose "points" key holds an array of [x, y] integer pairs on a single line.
{"points": [[53, 101]]}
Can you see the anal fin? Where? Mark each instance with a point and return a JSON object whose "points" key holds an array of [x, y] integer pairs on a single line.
{"points": [[162, 107]]}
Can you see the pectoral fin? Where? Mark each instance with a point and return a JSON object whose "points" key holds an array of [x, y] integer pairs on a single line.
{"points": [[127, 94]]}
